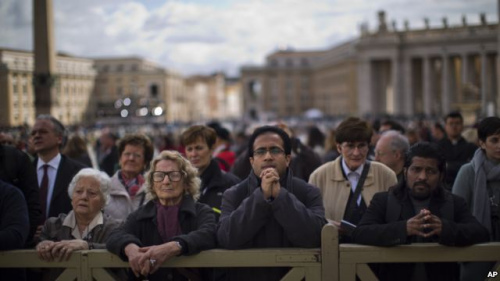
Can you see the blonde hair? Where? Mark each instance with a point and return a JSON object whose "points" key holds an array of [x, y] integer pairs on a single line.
{"points": [[189, 173]]}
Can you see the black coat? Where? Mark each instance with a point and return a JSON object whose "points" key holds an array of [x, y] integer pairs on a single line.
{"points": [[60, 203], [197, 222], [214, 182], [109, 164], [294, 219], [17, 169], [14, 226], [455, 155], [461, 230]]}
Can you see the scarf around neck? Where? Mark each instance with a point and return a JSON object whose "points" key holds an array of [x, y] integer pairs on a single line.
{"points": [[484, 171]]}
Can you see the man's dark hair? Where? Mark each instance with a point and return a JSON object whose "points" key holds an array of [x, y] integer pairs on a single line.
{"points": [[287, 143], [487, 127], [353, 129], [394, 125], [59, 128], [426, 150], [454, 114]]}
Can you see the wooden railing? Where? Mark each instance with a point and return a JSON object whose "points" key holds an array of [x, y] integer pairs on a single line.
{"points": [[331, 262]]}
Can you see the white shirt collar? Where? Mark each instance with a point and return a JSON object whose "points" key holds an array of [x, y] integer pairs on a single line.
{"points": [[347, 171], [70, 221], [54, 162]]}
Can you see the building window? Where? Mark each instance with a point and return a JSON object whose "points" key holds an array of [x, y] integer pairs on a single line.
{"points": [[153, 91], [119, 68]]}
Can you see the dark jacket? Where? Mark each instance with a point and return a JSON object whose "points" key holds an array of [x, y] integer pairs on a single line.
{"points": [[109, 164], [17, 169], [460, 229], [455, 155], [293, 219], [14, 226], [54, 230], [197, 222], [214, 182], [60, 203]]}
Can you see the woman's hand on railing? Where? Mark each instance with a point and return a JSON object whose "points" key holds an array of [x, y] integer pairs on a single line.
{"points": [[44, 250], [155, 256], [133, 254], [63, 249]]}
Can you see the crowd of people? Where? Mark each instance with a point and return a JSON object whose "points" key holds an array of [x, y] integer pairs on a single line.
{"points": [[150, 198]]}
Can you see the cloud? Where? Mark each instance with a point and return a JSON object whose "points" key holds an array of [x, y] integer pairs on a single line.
{"points": [[205, 36]]}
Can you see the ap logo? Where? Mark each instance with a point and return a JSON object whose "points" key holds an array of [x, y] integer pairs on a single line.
{"points": [[492, 274]]}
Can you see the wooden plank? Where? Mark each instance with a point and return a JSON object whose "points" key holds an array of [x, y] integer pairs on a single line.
{"points": [[365, 273], [329, 253], [295, 274], [423, 252], [68, 274], [30, 259], [100, 274], [223, 258], [347, 272], [313, 274]]}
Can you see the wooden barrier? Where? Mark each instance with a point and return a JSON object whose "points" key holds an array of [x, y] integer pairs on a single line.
{"points": [[89, 265], [354, 258], [332, 262]]}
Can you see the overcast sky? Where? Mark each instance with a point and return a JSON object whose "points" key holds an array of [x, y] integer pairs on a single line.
{"points": [[204, 36]]}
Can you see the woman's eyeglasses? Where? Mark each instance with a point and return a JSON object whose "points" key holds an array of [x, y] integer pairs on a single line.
{"points": [[173, 176]]}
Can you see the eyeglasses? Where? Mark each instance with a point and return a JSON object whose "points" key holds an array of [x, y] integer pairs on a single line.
{"points": [[380, 154], [418, 170], [134, 155], [350, 146], [173, 176], [274, 151]]}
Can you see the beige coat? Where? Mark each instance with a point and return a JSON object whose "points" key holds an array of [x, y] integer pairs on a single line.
{"points": [[335, 189]]}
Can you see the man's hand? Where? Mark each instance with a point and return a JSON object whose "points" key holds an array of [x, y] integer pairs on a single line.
{"points": [[424, 220], [415, 225], [270, 183], [435, 225]]}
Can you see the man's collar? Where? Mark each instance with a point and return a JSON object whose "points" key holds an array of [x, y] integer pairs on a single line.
{"points": [[54, 162]]}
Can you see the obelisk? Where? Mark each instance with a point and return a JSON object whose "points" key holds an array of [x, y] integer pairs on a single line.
{"points": [[43, 76]]}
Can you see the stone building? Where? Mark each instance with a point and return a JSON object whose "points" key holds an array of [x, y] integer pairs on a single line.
{"points": [[73, 86], [405, 72]]}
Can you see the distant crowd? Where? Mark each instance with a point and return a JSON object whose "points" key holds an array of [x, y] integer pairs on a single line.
{"points": [[148, 197]]}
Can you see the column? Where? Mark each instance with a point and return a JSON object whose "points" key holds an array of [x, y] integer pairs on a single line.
{"points": [[445, 99], [426, 77], [409, 91], [365, 87], [465, 69], [44, 55], [484, 92], [397, 82]]}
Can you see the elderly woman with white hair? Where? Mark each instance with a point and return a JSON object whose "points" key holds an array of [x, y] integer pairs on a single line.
{"points": [[173, 223], [85, 227]]}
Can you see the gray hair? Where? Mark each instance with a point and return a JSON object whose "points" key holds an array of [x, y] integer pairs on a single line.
{"points": [[101, 177], [398, 142]]}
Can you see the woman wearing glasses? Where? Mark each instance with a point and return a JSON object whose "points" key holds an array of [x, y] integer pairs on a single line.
{"points": [[127, 192], [349, 182], [169, 225]]}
